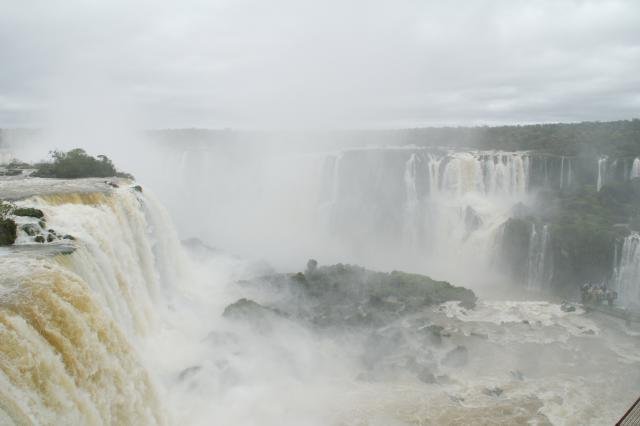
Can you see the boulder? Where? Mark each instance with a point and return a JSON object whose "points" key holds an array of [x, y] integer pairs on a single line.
{"points": [[493, 392], [30, 229], [189, 372], [8, 232], [29, 212]]}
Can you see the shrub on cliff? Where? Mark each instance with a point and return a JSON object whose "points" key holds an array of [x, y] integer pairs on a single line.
{"points": [[77, 164]]}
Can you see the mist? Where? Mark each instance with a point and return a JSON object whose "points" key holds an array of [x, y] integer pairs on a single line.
{"points": [[357, 213]]}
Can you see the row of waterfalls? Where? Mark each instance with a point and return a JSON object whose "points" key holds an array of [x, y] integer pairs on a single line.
{"points": [[448, 207], [432, 210]]}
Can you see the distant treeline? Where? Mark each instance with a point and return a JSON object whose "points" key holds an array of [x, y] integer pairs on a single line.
{"points": [[614, 138]]}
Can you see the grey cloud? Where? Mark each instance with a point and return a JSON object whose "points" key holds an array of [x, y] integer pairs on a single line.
{"points": [[288, 63]]}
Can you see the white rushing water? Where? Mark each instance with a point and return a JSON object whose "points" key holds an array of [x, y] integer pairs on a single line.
{"points": [[453, 205], [69, 323], [539, 272], [635, 169], [128, 330], [627, 276], [602, 172]]}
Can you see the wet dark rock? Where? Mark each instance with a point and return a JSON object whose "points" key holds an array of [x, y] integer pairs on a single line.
{"points": [[112, 184], [69, 237], [28, 212], [8, 231], [10, 172], [189, 372], [472, 220], [567, 307], [31, 229], [457, 357], [42, 224], [51, 238], [39, 239], [493, 392], [137, 188]]}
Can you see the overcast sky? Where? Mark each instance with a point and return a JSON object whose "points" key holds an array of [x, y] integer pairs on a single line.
{"points": [[321, 63]]}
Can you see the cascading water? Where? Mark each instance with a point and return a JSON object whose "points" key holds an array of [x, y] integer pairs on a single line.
{"points": [[627, 273], [411, 203], [69, 324], [539, 274], [602, 172], [635, 169], [452, 203]]}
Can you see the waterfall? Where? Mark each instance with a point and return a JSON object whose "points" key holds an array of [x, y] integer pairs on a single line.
{"points": [[562, 172], [627, 274], [433, 171], [635, 169], [602, 171], [538, 275], [433, 206], [411, 202], [489, 173], [335, 182], [69, 324]]}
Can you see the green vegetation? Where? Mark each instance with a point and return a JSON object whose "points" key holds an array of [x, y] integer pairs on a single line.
{"points": [[348, 295], [585, 226], [615, 138], [77, 164], [28, 211]]}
